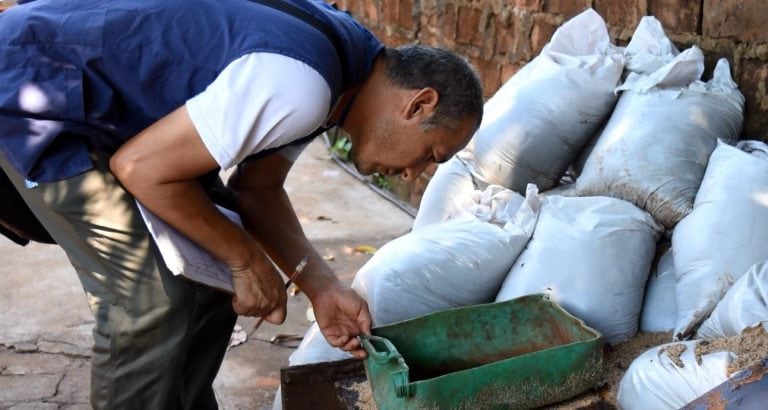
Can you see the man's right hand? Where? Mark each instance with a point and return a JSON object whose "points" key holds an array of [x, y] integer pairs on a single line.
{"points": [[259, 291]]}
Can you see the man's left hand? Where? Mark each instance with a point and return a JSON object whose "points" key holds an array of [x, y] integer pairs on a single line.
{"points": [[342, 315]]}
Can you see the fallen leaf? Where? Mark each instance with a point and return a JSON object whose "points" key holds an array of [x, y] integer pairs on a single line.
{"points": [[370, 250]]}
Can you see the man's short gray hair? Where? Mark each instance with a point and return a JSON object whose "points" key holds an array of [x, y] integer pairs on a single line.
{"points": [[457, 83]]}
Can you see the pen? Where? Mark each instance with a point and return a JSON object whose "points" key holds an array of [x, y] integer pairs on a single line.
{"points": [[296, 272]]}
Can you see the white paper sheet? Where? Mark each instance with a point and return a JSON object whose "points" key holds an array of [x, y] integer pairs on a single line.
{"points": [[184, 257]]}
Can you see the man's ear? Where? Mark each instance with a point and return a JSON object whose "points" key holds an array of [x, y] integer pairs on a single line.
{"points": [[422, 104]]}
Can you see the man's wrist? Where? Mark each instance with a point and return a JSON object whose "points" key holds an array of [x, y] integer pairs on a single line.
{"points": [[316, 279]]}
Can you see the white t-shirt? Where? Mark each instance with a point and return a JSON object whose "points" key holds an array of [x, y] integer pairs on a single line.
{"points": [[259, 101]]}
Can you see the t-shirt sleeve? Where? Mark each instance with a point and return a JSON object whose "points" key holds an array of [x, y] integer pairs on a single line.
{"points": [[259, 101]]}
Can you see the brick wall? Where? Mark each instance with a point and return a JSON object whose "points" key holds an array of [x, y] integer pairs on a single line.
{"points": [[500, 36]]}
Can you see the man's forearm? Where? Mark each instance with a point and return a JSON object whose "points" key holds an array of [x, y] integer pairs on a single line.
{"points": [[186, 207], [160, 166], [272, 221]]}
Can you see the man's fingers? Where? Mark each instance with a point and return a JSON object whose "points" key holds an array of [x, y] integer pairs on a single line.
{"points": [[250, 307], [345, 342], [240, 308], [338, 341], [277, 316], [359, 353], [352, 344], [355, 348]]}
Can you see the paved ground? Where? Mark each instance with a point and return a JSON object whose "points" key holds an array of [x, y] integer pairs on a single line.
{"points": [[45, 323]]}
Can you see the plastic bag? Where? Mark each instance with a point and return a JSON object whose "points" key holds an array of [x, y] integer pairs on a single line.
{"points": [[744, 305], [315, 349], [654, 149], [592, 255], [658, 314], [654, 381], [451, 180], [650, 48], [647, 51], [536, 123], [723, 236], [459, 262]]}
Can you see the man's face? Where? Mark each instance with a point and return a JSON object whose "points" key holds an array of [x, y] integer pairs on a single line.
{"points": [[391, 147]]}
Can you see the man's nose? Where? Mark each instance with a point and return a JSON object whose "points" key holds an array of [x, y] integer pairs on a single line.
{"points": [[409, 174]]}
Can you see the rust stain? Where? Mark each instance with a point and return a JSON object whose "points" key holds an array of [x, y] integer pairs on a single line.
{"points": [[716, 401], [755, 373]]}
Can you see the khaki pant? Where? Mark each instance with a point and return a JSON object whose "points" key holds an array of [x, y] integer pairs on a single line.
{"points": [[159, 339]]}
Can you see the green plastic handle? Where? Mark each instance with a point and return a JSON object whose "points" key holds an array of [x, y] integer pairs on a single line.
{"points": [[389, 354], [381, 357]]}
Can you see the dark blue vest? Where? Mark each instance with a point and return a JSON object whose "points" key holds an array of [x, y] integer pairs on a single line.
{"points": [[90, 74]]}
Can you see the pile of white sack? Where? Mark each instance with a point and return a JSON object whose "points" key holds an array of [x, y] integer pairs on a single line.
{"points": [[656, 155]]}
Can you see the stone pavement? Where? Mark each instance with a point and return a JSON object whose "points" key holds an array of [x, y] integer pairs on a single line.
{"points": [[45, 323]]}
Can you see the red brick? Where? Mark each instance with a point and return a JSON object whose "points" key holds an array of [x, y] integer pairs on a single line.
{"points": [[429, 29], [742, 19], [389, 11], [380, 33], [530, 5], [405, 15], [340, 4], [447, 25], [621, 16], [507, 71], [568, 8], [430, 6], [357, 7], [489, 75], [487, 39], [713, 51], [370, 10], [541, 33], [752, 82], [437, 23], [398, 38], [676, 16], [505, 35], [469, 26], [521, 37]]}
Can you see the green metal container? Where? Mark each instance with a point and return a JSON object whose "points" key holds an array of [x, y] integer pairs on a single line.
{"points": [[522, 353]]}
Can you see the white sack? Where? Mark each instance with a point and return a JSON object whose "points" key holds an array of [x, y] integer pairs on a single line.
{"points": [[647, 51], [459, 262], [451, 180], [654, 149], [536, 123], [650, 48], [744, 305], [592, 255], [658, 314], [653, 381], [315, 349], [757, 149], [723, 236]]}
